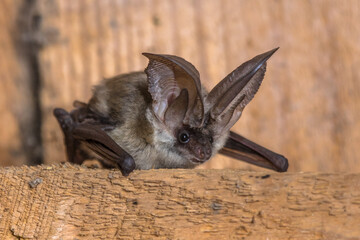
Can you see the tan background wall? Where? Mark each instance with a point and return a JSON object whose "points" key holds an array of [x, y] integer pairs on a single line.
{"points": [[308, 107]]}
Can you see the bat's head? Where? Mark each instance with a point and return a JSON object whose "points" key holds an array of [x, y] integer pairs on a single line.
{"points": [[197, 123]]}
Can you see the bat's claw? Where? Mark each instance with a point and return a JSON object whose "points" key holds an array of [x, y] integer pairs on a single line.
{"points": [[127, 165], [283, 163]]}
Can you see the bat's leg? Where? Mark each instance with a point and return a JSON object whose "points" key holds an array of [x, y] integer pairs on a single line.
{"points": [[67, 124]]}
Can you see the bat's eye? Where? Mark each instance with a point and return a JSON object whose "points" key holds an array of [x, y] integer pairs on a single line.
{"points": [[184, 137]]}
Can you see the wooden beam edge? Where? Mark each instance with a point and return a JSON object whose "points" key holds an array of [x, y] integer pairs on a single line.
{"points": [[66, 202]]}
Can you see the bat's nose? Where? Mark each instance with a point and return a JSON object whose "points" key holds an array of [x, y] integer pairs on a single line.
{"points": [[203, 152]]}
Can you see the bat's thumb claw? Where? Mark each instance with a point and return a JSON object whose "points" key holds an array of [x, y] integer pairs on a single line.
{"points": [[283, 164], [127, 165]]}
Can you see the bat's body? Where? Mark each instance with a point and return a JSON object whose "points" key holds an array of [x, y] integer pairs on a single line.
{"points": [[137, 131], [164, 118]]}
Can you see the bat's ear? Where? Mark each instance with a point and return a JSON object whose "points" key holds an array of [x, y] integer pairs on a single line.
{"points": [[228, 98], [174, 85]]}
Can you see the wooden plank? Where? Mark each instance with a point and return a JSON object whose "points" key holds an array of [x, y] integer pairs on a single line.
{"points": [[308, 107], [67, 202]]}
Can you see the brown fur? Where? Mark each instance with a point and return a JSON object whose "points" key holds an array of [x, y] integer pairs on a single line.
{"points": [[126, 101]]}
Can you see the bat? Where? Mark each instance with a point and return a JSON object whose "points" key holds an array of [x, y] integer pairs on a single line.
{"points": [[164, 118]]}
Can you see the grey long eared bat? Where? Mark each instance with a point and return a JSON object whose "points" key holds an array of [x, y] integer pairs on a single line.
{"points": [[164, 118]]}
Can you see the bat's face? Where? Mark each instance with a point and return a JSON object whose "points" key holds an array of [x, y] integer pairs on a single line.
{"points": [[194, 144], [199, 123]]}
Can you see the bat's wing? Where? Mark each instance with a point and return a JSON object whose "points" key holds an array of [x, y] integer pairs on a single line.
{"points": [[91, 132], [245, 150]]}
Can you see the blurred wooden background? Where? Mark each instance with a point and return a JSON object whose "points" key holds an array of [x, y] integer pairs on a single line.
{"points": [[308, 108]]}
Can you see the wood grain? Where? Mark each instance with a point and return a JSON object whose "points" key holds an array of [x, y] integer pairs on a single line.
{"points": [[67, 202], [308, 107]]}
